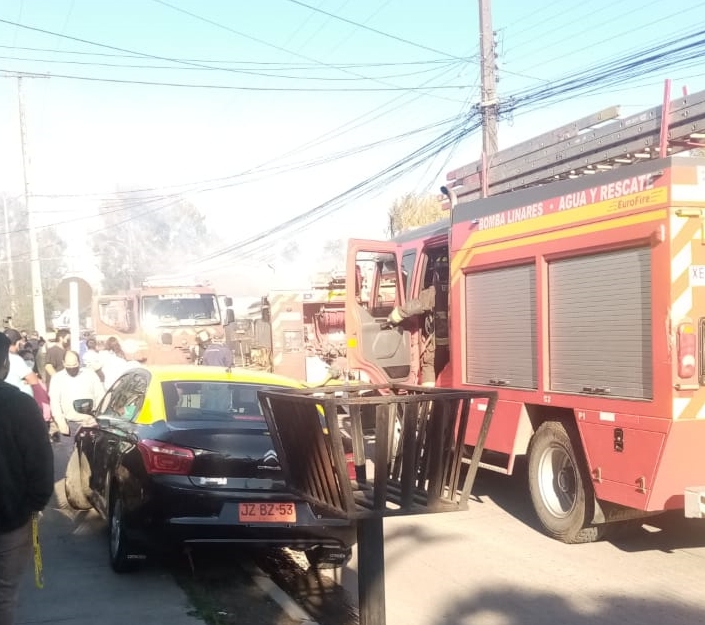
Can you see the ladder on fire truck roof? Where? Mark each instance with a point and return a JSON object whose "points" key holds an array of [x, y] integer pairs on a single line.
{"points": [[587, 146]]}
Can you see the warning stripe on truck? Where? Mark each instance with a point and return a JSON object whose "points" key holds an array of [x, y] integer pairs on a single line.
{"points": [[687, 256]]}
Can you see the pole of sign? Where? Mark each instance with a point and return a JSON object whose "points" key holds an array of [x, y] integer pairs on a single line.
{"points": [[74, 326]]}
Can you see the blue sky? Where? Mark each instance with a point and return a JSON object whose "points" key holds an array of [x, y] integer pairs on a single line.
{"points": [[288, 76]]}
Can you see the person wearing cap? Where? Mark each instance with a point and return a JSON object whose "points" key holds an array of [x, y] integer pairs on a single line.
{"points": [[217, 353], [26, 482], [68, 385], [20, 374]]}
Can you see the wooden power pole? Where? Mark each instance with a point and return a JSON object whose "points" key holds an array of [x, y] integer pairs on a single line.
{"points": [[488, 97]]}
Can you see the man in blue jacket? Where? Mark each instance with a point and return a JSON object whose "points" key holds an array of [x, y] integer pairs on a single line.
{"points": [[26, 482]]}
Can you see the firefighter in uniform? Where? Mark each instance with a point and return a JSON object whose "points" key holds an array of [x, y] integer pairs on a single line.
{"points": [[432, 305]]}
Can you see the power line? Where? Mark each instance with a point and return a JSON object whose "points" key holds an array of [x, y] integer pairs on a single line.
{"points": [[345, 128], [380, 180], [618, 71], [127, 203], [249, 72], [109, 47], [557, 14], [231, 87], [265, 64], [200, 18], [608, 74], [312, 36], [378, 10], [564, 54], [370, 29]]}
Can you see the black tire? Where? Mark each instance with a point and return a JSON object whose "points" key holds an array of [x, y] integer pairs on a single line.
{"points": [[119, 545], [76, 483], [560, 486]]}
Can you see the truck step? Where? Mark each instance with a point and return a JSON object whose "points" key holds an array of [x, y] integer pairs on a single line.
{"points": [[694, 502], [488, 466]]}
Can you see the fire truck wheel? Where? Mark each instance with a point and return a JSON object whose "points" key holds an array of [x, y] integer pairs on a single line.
{"points": [[560, 487]]}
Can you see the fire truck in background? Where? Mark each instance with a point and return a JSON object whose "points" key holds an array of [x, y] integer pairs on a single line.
{"points": [[159, 322], [297, 333], [576, 280]]}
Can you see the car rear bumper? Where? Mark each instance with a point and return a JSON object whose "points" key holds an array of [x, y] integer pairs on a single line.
{"points": [[207, 516]]}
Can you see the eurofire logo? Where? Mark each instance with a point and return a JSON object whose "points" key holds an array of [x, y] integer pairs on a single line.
{"points": [[270, 461]]}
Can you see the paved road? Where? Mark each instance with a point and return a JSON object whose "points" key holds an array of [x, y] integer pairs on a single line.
{"points": [[79, 586], [491, 566], [487, 566]]}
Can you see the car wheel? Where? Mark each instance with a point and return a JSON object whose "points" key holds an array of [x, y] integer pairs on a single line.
{"points": [[118, 543], [560, 486], [76, 483]]}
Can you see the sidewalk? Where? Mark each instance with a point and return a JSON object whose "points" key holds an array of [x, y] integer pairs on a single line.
{"points": [[80, 587]]}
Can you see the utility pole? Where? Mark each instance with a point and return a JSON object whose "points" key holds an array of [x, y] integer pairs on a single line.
{"points": [[488, 96], [37, 292], [8, 259]]}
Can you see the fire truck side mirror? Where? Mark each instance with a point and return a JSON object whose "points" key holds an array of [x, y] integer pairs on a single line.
{"points": [[229, 316], [228, 301], [129, 318], [266, 314]]}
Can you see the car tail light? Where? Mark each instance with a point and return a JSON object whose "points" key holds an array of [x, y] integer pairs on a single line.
{"points": [[164, 458], [350, 465], [686, 343]]}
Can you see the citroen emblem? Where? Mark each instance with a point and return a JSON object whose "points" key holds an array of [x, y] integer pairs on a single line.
{"points": [[270, 461], [271, 457]]}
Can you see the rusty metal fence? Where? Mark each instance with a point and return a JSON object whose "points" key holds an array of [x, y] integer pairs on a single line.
{"points": [[413, 461]]}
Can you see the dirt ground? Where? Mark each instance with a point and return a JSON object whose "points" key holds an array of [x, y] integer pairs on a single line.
{"points": [[222, 593]]}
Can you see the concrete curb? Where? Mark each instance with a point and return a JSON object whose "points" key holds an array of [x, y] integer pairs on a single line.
{"points": [[285, 602]]}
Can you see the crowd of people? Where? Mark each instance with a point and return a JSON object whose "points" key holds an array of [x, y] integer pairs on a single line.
{"points": [[55, 375], [40, 378]]}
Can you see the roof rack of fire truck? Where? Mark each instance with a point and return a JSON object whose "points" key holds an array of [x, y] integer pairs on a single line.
{"points": [[329, 280], [174, 280], [587, 146]]}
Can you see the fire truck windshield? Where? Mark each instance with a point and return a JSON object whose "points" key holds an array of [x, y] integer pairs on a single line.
{"points": [[192, 309]]}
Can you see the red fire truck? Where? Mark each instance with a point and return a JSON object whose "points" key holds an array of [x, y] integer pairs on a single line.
{"points": [[159, 322], [300, 333], [576, 275]]}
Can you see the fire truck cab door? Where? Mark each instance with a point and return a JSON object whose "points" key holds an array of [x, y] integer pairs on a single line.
{"points": [[374, 288]]}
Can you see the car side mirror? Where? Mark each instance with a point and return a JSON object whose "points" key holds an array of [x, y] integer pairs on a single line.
{"points": [[83, 406]]}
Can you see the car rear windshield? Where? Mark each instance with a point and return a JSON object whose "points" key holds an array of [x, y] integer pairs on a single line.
{"points": [[185, 401]]}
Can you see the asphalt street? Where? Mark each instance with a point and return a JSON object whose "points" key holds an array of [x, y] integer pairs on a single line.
{"points": [[70, 595]]}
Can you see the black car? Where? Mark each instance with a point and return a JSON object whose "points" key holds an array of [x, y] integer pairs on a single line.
{"points": [[182, 455]]}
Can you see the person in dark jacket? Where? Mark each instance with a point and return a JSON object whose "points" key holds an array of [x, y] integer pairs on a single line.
{"points": [[26, 482], [217, 353]]}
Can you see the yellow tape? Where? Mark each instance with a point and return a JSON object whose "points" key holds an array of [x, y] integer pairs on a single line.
{"points": [[38, 574]]}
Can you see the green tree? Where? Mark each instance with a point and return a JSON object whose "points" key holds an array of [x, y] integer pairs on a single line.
{"points": [[17, 294], [141, 236], [412, 210]]}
